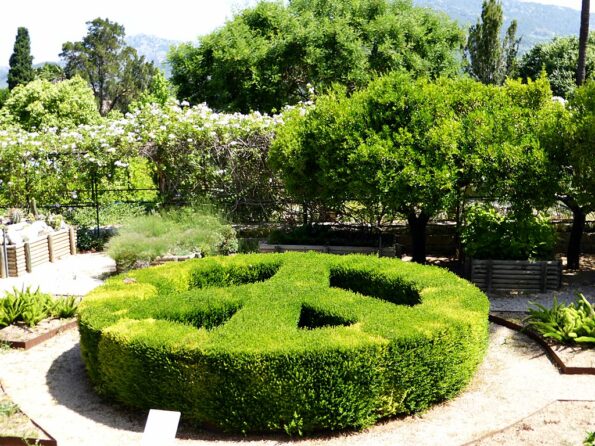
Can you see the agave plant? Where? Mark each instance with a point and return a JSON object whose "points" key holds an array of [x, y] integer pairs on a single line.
{"points": [[564, 323]]}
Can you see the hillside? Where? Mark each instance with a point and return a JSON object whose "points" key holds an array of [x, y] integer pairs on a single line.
{"points": [[537, 22], [152, 47]]}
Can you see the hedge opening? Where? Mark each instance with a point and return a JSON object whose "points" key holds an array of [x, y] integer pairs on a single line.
{"points": [[284, 342]]}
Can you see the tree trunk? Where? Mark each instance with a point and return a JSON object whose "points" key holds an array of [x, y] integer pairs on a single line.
{"points": [[573, 255], [581, 71], [417, 227]]}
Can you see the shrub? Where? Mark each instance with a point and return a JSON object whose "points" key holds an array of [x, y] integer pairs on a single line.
{"points": [[31, 307], [284, 342], [176, 232], [565, 323], [489, 234]]}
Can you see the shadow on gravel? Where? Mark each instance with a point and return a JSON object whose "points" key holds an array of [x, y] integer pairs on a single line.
{"points": [[68, 384]]}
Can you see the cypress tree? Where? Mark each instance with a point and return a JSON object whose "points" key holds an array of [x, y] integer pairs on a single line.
{"points": [[491, 60], [21, 61]]}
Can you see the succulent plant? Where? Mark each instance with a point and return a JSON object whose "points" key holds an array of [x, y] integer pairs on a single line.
{"points": [[33, 208], [54, 221], [16, 215]]}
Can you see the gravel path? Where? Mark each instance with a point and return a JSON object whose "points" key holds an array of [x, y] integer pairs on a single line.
{"points": [[72, 275]]}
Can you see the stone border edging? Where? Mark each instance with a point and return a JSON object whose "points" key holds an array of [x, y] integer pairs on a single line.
{"points": [[21, 441], [26, 345], [564, 369]]}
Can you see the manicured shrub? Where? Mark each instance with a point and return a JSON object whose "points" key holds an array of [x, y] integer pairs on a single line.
{"points": [[284, 342], [176, 232], [489, 234]]}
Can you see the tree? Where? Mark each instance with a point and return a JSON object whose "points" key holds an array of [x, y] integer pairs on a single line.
{"points": [[50, 72], [581, 70], [490, 60], [116, 73], [559, 59], [21, 61], [409, 147], [4, 95], [266, 56], [573, 155], [41, 104], [158, 92]]}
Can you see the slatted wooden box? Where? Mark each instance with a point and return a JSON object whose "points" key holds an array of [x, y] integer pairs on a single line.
{"points": [[23, 258], [521, 275]]}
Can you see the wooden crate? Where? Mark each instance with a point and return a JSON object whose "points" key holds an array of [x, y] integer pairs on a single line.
{"points": [[26, 256], [17, 264], [522, 275]]}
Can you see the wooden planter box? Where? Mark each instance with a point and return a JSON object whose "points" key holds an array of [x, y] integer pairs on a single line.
{"points": [[521, 275], [22, 258], [389, 251]]}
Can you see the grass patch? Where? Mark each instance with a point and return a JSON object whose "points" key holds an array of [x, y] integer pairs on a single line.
{"points": [[177, 232]]}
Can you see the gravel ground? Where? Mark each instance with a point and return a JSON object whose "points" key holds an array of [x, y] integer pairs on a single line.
{"points": [[72, 275]]}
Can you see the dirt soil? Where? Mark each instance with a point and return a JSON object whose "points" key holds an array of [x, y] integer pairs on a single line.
{"points": [[22, 332]]}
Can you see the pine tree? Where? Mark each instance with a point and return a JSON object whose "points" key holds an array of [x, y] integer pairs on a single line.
{"points": [[21, 61], [490, 60]]}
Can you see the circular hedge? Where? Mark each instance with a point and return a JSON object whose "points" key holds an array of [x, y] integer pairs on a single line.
{"points": [[294, 342]]}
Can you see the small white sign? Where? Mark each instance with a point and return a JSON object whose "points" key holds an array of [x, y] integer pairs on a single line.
{"points": [[161, 428]]}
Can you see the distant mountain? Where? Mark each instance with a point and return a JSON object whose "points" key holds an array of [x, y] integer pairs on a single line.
{"points": [[537, 22], [3, 77], [153, 48]]}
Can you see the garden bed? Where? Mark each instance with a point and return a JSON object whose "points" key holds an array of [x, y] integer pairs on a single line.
{"points": [[25, 337], [570, 359], [24, 257], [17, 429], [520, 275]]}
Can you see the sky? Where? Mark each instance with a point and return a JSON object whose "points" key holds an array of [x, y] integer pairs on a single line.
{"points": [[53, 22]]}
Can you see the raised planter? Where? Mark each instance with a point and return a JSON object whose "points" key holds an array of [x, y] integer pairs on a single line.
{"points": [[26, 338], [22, 258], [389, 251], [520, 275], [32, 433]]}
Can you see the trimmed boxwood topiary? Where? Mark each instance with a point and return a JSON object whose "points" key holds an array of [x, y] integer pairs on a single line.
{"points": [[295, 342]]}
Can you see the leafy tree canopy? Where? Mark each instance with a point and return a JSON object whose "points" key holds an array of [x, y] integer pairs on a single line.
{"points": [[50, 72], [559, 59], [41, 104], [21, 60], [409, 147], [267, 56], [116, 73]]}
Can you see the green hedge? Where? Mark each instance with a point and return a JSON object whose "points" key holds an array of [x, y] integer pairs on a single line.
{"points": [[294, 342]]}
